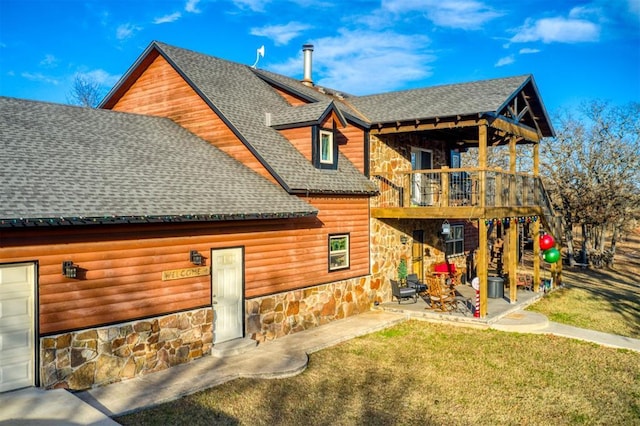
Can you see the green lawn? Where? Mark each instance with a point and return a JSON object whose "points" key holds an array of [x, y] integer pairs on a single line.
{"points": [[422, 373]]}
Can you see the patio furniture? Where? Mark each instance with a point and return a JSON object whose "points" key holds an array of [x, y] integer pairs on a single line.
{"points": [[525, 281], [441, 296], [414, 282], [449, 269], [403, 292]]}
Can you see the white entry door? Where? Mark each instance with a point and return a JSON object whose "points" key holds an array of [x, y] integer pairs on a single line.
{"points": [[227, 294], [17, 326]]}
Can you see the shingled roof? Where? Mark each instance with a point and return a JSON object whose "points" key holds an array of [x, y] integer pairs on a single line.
{"points": [[475, 98], [243, 99], [65, 164], [484, 97]]}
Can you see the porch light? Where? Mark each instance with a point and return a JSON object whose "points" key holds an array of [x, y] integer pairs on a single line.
{"points": [[196, 258], [446, 228], [403, 239], [69, 270]]}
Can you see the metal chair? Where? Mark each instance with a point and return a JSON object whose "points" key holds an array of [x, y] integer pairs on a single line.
{"points": [[414, 282], [401, 293]]}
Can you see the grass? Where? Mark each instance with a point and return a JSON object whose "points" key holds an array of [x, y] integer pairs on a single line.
{"points": [[605, 300], [433, 374], [422, 373]]}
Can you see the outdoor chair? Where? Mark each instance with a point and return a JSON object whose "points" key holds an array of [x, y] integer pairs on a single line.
{"points": [[441, 296], [414, 282], [403, 292], [525, 281]]}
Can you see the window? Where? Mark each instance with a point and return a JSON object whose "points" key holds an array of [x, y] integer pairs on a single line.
{"points": [[326, 147], [455, 242], [338, 252]]}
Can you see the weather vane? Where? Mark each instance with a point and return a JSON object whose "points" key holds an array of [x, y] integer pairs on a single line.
{"points": [[259, 53]]}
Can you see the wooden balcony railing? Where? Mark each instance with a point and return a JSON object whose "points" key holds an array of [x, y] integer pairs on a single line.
{"points": [[458, 187]]}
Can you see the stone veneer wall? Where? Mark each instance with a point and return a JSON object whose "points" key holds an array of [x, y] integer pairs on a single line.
{"points": [[87, 358], [278, 315]]}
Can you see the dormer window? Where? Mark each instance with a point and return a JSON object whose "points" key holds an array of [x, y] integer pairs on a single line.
{"points": [[325, 149]]}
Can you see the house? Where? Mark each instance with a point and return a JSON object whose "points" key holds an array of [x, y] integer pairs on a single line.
{"points": [[206, 202]]}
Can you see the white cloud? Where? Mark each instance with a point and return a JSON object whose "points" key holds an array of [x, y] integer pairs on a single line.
{"points": [[281, 34], [168, 18], [40, 77], [192, 6], [49, 61], [507, 60], [528, 50], [461, 14], [363, 62], [126, 31], [557, 30], [253, 5], [100, 76]]}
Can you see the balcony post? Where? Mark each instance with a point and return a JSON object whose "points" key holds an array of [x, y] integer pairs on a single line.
{"points": [[407, 181], [536, 255], [444, 182], [483, 249], [482, 164]]}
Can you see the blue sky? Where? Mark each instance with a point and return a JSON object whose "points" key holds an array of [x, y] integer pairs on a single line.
{"points": [[576, 50]]}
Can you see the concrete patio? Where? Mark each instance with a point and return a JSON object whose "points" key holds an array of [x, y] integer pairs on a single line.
{"points": [[497, 308]]}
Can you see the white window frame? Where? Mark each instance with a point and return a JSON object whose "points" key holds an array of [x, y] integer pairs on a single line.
{"points": [[329, 136], [340, 253], [456, 237]]}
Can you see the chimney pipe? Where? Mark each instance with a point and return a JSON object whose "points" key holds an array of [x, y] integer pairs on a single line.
{"points": [[306, 79]]}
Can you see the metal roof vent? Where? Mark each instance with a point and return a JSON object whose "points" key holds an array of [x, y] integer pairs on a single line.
{"points": [[306, 78]]}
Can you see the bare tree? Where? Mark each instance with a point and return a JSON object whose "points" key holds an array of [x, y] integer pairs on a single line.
{"points": [[593, 168], [85, 92]]}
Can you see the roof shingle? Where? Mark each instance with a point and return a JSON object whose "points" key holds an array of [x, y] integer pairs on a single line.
{"points": [[64, 161]]}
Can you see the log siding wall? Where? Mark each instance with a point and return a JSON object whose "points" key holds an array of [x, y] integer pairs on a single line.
{"points": [[121, 265], [160, 91]]}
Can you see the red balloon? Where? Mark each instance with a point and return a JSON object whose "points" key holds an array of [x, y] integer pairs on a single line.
{"points": [[546, 242]]}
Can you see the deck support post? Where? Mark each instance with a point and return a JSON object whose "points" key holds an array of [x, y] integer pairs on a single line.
{"points": [[483, 249]]}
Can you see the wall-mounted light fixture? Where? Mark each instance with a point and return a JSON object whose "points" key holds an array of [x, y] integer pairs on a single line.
{"points": [[446, 228], [69, 270], [196, 258], [403, 239]]}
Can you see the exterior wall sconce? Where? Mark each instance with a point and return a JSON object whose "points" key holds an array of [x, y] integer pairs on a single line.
{"points": [[446, 228], [196, 258], [69, 270], [403, 239]]}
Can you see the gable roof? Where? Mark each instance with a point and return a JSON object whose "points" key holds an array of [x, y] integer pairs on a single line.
{"points": [[242, 100], [66, 164], [305, 115], [484, 97]]}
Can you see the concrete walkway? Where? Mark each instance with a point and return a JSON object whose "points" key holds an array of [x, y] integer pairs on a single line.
{"points": [[283, 357]]}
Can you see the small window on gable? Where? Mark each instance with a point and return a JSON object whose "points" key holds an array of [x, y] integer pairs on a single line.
{"points": [[324, 149], [338, 252]]}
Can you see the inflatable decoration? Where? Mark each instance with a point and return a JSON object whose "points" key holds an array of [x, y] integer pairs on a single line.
{"points": [[546, 242], [552, 255]]}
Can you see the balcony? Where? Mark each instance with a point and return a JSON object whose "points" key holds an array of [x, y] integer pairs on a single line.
{"points": [[468, 193]]}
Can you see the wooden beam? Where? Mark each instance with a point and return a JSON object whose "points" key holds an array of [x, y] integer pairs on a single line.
{"points": [[411, 126], [482, 269], [515, 129], [512, 260], [536, 255], [482, 162]]}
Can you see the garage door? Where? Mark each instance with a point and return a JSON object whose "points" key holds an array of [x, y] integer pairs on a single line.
{"points": [[17, 330]]}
